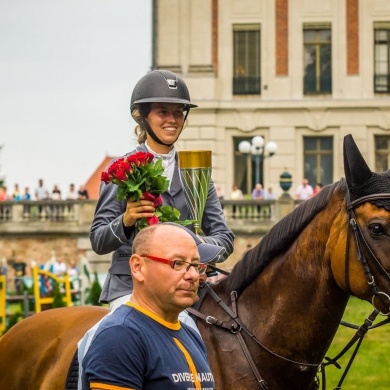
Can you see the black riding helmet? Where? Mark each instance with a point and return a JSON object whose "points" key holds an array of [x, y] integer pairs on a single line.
{"points": [[159, 86]]}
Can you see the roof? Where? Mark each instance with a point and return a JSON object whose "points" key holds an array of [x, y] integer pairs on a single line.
{"points": [[93, 183]]}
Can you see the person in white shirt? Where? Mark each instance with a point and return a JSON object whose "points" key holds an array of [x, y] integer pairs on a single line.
{"points": [[304, 191], [269, 194], [236, 194], [41, 192], [56, 193], [72, 193], [59, 267]]}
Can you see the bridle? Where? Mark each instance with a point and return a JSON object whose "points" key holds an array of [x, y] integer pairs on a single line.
{"points": [[361, 244], [235, 325]]}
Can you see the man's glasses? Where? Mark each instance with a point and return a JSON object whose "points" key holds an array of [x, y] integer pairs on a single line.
{"points": [[180, 265]]}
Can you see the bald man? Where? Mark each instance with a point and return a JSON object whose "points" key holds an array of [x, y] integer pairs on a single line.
{"points": [[142, 344]]}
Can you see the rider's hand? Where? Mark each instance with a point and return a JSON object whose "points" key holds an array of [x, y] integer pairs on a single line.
{"points": [[136, 210]]}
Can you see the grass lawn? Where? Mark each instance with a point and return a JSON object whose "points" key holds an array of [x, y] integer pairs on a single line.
{"points": [[371, 367]]}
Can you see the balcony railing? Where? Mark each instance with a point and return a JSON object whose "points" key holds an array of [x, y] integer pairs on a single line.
{"points": [[256, 210], [34, 211], [46, 217], [80, 212]]}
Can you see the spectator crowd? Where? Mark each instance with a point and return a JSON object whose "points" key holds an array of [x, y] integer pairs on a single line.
{"points": [[41, 192], [18, 271]]}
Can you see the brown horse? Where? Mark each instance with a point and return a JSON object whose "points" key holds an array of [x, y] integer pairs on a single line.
{"points": [[36, 353], [291, 289]]}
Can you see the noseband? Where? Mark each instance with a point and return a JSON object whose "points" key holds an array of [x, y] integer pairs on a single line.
{"points": [[361, 244]]}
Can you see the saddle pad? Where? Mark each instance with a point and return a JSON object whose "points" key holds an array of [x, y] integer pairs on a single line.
{"points": [[73, 373]]}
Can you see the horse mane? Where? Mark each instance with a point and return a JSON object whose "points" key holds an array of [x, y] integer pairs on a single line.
{"points": [[279, 239]]}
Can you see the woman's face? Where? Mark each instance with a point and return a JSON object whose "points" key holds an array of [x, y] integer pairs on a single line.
{"points": [[166, 120]]}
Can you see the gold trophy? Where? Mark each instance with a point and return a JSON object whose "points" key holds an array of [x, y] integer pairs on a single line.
{"points": [[195, 174]]}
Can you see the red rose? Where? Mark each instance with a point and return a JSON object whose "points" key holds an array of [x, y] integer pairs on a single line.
{"points": [[140, 158], [158, 201], [153, 220], [120, 175], [125, 165], [148, 196], [113, 167], [105, 177]]}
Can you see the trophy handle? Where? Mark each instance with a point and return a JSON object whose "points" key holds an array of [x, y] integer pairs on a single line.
{"points": [[195, 175]]}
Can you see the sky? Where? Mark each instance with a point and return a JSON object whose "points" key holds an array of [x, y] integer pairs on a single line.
{"points": [[67, 71]]}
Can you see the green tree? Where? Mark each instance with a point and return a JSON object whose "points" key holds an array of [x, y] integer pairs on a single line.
{"points": [[58, 300], [13, 319], [94, 293]]}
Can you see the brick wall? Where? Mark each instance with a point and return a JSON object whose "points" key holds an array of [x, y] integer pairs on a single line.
{"points": [[281, 37], [352, 13]]}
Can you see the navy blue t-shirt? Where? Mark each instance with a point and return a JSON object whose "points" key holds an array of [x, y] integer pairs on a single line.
{"points": [[135, 349]]}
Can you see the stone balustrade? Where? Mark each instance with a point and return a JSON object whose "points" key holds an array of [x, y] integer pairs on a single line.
{"points": [[80, 212], [50, 215], [34, 228]]}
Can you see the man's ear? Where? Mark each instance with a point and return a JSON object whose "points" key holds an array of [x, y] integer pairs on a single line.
{"points": [[137, 268]]}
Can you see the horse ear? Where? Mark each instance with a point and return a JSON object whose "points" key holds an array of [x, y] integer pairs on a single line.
{"points": [[360, 180], [356, 169]]}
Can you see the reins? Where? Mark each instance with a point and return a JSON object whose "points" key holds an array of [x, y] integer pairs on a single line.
{"points": [[221, 271], [357, 338], [235, 326]]}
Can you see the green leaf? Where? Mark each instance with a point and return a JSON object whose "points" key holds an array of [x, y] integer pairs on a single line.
{"points": [[171, 214], [142, 223]]}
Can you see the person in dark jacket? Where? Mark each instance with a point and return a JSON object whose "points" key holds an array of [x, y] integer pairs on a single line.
{"points": [[160, 104]]}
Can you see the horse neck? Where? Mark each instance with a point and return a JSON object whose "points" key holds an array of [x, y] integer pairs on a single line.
{"points": [[294, 322], [297, 296], [293, 308]]}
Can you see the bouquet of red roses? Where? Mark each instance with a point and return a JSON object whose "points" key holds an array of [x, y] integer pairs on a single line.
{"points": [[137, 176]]}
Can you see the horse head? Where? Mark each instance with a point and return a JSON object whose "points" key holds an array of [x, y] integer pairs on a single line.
{"points": [[292, 288], [361, 260]]}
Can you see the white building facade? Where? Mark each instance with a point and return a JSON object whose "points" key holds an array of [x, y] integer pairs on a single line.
{"points": [[301, 73]]}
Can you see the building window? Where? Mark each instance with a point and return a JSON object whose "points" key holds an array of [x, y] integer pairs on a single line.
{"points": [[382, 153], [246, 61], [382, 58], [318, 60], [318, 160]]}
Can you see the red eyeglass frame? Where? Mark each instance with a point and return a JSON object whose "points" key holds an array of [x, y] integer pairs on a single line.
{"points": [[171, 263]]}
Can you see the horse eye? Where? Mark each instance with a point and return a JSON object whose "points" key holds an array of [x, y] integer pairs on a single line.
{"points": [[376, 229]]}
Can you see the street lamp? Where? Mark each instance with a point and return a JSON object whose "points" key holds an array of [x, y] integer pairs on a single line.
{"points": [[258, 151]]}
